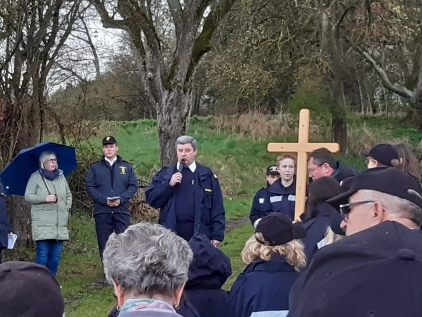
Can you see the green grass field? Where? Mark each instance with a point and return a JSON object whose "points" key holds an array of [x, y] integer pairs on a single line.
{"points": [[238, 159]]}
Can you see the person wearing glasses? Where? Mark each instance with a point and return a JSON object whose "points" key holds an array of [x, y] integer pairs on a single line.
{"points": [[377, 195], [375, 271], [49, 195], [321, 163]]}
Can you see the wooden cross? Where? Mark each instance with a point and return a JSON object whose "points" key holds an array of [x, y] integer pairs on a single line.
{"points": [[302, 148]]}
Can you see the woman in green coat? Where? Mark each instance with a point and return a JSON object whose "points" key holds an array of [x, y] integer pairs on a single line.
{"points": [[49, 195]]}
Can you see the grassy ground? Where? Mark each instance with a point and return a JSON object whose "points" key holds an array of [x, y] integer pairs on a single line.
{"points": [[238, 157]]}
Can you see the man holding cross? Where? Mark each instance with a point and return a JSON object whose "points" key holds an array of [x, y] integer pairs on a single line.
{"points": [[322, 163]]}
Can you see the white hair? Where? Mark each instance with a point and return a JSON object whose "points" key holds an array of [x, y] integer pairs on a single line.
{"points": [[395, 205], [147, 259], [45, 157]]}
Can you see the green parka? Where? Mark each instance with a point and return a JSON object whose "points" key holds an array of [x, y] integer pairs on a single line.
{"points": [[49, 220]]}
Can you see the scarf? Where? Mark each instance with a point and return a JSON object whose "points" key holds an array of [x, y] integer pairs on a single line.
{"points": [[151, 305], [50, 175]]}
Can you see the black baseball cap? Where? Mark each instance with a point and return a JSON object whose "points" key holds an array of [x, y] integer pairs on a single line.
{"points": [[278, 229], [29, 289], [383, 153], [388, 180], [109, 140], [272, 170], [376, 272]]}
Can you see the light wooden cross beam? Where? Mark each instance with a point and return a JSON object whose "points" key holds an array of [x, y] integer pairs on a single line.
{"points": [[302, 148]]}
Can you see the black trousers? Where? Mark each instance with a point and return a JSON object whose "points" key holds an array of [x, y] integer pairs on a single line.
{"points": [[106, 223]]}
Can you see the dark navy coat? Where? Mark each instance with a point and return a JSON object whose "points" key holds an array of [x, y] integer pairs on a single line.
{"points": [[209, 218], [208, 272], [105, 181], [277, 198], [316, 227], [5, 228], [264, 286], [342, 172], [186, 309], [256, 210]]}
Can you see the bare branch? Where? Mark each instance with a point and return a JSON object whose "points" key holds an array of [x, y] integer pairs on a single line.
{"points": [[177, 15], [93, 49], [398, 89], [108, 21], [202, 43]]}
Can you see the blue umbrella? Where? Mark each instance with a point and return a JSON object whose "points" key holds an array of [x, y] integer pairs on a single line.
{"points": [[16, 174]]}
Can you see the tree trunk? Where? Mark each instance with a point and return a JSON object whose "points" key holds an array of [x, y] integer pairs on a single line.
{"points": [[19, 214], [172, 123], [19, 131], [418, 118], [338, 113]]}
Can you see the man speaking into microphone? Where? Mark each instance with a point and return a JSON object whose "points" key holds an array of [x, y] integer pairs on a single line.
{"points": [[188, 195]]}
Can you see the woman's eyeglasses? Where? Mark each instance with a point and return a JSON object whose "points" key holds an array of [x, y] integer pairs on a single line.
{"points": [[52, 160]]}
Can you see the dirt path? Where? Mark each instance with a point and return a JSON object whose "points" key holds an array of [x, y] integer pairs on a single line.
{"points": [[236, 223]]}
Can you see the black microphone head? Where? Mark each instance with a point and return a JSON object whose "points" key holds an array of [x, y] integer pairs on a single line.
{"points": [[181, 165]]}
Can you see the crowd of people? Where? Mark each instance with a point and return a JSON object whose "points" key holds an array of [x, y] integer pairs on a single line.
{"points": [[357, 250]]}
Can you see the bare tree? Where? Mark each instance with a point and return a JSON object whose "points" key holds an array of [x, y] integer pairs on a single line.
{"points": [[167, 70], [32, 34]]}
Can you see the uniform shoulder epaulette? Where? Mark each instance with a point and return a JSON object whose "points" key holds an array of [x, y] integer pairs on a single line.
{"points": [[127, 161], [93, 162]]}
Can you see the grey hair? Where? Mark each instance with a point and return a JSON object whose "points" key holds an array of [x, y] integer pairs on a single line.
{"points": [[185, 139], [45, 157], [395, 205], [147, 259]]}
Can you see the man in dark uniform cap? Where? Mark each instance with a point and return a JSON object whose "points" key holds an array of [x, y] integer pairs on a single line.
{"points": [[111, 182]]}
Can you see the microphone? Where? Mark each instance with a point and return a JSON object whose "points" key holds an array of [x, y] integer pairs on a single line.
{"points": [[179, 170], [181, 166]]}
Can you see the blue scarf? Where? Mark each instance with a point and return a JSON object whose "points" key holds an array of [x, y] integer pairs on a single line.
{"points": [[50, 175]]}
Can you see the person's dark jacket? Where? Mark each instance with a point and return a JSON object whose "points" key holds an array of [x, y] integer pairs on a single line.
{"points": [[186, 309], [114, 312], [257, 211], [105, 181], [277, 199], [209, 270], [209, 218], [5, 228], [418, 183], [316, 227], [343, 172], [264, 286]]}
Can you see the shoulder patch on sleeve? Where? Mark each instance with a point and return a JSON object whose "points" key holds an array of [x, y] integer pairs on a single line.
{"points": [[215, 175]]}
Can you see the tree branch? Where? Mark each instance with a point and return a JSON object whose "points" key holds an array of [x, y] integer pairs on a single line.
{"points": [[108, 21], [398, 89], [202, 43], [177, 15]]}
